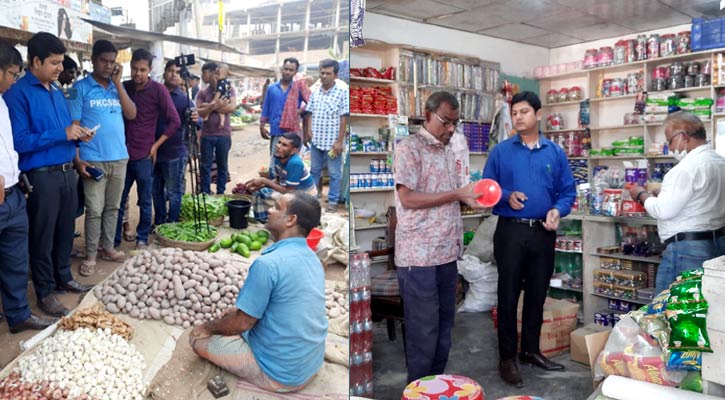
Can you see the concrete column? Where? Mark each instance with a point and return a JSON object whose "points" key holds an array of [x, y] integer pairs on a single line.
{"points": [[307, 31], [276, 51]]}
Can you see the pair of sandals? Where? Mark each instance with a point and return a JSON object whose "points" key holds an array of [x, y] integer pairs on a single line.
{"points": [[88, 268]]}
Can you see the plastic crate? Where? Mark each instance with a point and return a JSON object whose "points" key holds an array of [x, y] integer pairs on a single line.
{"points": [[707, 34]]}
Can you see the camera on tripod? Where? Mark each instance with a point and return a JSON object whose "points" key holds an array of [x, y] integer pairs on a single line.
{"points": [[184, 61]]}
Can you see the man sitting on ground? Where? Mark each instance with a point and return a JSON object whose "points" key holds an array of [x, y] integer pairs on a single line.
{"points": [[289, 174], [275, 336]]}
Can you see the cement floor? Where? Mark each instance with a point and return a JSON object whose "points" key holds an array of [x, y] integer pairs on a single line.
{"points": [[475, 354]]}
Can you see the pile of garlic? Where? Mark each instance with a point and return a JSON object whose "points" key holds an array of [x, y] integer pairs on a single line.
{"points": [[336, 301], [180, 287], [95, 363]]}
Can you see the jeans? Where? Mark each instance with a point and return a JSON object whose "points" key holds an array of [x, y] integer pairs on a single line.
{"points": [[102, 200], [334, 169], [429, 309], [141, 172], [167, 186], [686, 255], [209, 146], [14, 257], [272, 144]]}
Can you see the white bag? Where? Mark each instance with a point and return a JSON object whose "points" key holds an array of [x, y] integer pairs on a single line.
{"points": [[459, 145], [483, 281]]}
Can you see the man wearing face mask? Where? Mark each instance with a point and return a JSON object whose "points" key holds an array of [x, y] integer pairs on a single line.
{"points": [[688, 207], [429, 235]]}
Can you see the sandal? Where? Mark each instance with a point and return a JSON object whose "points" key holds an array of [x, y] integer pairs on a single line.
{"points": [[129, 236], [87, 268], [113, 255]]}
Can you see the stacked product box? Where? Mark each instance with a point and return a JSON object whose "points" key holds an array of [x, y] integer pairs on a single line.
{"points": [[476, 136], [373, 100]]}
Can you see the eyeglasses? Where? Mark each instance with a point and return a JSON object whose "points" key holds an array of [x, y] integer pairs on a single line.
{"points": [[447, 124], [16, 75], [669, 142]]}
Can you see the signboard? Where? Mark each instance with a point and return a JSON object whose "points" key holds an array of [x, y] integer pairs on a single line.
{"points": [[59, 17], [100, 13]]}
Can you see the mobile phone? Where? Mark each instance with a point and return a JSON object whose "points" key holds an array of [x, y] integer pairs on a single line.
{"points": [[93, 131], [95, 173]]}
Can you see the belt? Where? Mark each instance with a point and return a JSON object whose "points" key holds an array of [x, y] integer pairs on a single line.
{"points": [[533, 223], [60, 167], [10, 189], [696, 235]]}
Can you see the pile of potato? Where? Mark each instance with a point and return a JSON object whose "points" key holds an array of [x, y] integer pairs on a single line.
{"points": [[13, 387], [181, 287], [94, 318], [336, 301]]}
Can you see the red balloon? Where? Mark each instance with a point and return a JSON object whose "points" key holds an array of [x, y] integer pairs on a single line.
{"points": [[489, 191]]}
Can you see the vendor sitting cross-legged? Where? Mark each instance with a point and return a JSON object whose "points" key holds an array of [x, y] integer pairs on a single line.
{"points": [[275, 336], [289, 174]]}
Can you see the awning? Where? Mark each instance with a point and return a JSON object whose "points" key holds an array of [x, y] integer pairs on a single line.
{"points": [[235, 70], [135, 34]]}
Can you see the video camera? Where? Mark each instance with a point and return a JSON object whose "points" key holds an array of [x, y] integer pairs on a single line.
{"points": [[184, 61]]}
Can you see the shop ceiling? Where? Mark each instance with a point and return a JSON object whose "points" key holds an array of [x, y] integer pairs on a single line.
{"points": [[549, 23]]}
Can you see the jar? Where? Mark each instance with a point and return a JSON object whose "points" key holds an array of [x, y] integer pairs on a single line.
{"points": [[693, 68], [631, 55], [689, 81], [575, 93], [590, 58], [605, 56], [659, 72], [675, 82], [702, 80], [677, 68], [720, 103], [563, 94], [641, 48], [620, 52], [659, 84], [616, 89], [632, 82], [706, 67], [552, 96], [683, 42], [667, 45], [606, 87], [653, 46]]}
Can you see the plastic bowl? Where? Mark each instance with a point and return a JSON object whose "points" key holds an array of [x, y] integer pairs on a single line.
{"points": [[314, 237], [489, 191]]}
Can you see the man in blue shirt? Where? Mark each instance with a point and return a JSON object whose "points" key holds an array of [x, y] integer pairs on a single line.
{"points": [[45, 139], [289, 173], [275, 100], [538, 189], [101, 100], [275, 337]]}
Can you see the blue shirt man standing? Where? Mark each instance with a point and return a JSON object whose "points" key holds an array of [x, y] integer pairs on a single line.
{"points": [[538, 189], [45, 139]]}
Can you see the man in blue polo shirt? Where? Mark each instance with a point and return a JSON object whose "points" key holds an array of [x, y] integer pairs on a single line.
{"points": [[45, 139], [289, 174], [538, 189], [275, 337], [100, 100]]}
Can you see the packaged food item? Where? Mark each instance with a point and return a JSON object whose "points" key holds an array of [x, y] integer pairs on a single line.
{"points": [[668, 46], [659, 303], [692, 68], [686, 291], [653, 46], [641, 48], [692, 382], [617, 87], [696, 273], [563, 94], [688, 329], [590, 58], [631, 55], [552, 96], [683, 42], [605, 56], [685, 361], [620, 52]]}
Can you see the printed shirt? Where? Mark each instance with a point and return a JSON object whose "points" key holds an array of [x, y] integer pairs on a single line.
{"points": [[39, 117], [211, 125], [273, 107], [429, 236], [152, 102], [691, 196], [92, 104], [542, 173], [8, 156], [327, 107], [285, 291], [294, 174]]}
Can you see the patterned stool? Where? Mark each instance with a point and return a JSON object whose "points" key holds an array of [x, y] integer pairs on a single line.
{"points": [[521, 398], [444, 387]]}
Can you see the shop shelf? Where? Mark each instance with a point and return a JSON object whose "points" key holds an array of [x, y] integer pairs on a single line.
{"points": [[371, 227], [568, 289], [477, 153], [371, 190], [369, 153], [563, 130], [613, 98], [569, 251], [621, 256], [570, 74], [622, 157], [624, 220], [356, 115], [612, 127], [562, 103], [371, 80], [684, 90], [637, 301]]}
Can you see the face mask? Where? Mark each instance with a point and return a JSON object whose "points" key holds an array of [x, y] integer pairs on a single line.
{"points": [[679, 154]]}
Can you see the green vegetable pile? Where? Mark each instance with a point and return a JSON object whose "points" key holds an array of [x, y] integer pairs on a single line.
{"points": [[242, 243], [187, 231], [216, 207]]}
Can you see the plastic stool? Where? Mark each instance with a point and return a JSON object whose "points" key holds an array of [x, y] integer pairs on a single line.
{"points": [[444, 387]]}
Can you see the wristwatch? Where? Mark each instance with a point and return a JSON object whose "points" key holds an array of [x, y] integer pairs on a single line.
{"points": [[639, 196]]}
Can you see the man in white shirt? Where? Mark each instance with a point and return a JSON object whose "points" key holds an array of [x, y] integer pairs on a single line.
{"points": [[13, 217], [689, 206]]}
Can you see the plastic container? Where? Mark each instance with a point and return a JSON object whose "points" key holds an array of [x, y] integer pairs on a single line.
{"points": [[590, 58], [653, 46], [683, 42], [575, 93], [605, 56], [668, 46], [490, 192], [238, 211], [314, 237]]}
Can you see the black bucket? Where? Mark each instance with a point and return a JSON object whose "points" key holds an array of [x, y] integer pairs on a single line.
{"points": [[238, 211]]}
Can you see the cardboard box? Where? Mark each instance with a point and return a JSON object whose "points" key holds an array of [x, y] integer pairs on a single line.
{"points": [[559, 321], [587, 342]]}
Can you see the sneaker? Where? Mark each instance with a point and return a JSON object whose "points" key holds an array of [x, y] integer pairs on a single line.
{"points": [[141, 245]]}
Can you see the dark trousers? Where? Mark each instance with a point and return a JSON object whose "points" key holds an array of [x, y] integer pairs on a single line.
{"points": [[14, 257], [139, 171], [429, 308], [525, 260], [52, 210], [215, 148]]}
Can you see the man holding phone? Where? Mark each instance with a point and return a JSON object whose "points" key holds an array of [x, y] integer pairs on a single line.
{"points": [[101, 102]]}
